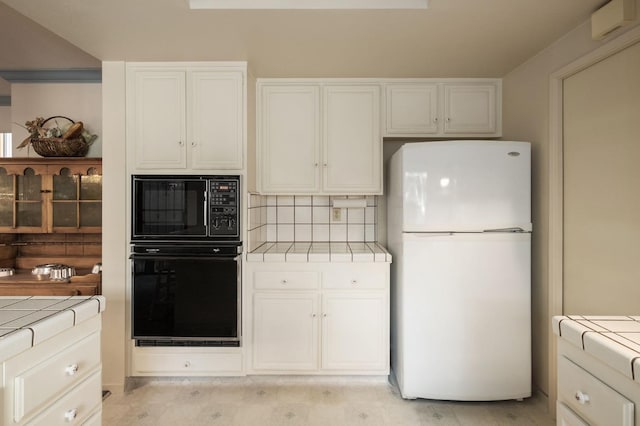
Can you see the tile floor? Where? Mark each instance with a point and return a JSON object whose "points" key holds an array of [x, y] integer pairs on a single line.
{"points": [[289, 401]]}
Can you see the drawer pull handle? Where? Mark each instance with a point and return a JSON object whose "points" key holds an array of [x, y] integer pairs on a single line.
{"points": [[70, 415], [71, 369], [582, 397]]}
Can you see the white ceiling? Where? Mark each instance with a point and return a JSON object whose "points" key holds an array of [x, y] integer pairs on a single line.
{"points": [[453, 38]]}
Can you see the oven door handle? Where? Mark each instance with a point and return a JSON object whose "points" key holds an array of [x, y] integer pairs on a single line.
{"points": [[216, 258]]}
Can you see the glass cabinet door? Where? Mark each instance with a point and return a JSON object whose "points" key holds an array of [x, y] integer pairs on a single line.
{"points": [[77, 200], [21, 200]]}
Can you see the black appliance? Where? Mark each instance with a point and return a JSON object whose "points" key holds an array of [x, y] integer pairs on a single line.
{"points": [[185, 260], [185, 208]]}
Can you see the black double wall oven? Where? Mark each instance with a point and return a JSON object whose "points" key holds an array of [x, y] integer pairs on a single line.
{"points": [[185, 260]]}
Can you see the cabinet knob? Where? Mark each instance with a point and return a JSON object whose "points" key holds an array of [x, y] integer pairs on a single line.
{"points": [[180, 143], [324, 315], [354, 282], [582, 397], [315, 164], [435, 120], [325, 164], [283, 281], [70, 415], [187, 364], [71, 369], [313, 315], [193, 144], [448, 119]]}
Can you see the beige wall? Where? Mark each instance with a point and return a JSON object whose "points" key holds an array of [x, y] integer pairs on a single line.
{"points": [[5, 119], [78, 101], [526, 117]]}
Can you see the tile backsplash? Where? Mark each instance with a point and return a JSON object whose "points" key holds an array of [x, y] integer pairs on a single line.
{"points": [[277, 218]]}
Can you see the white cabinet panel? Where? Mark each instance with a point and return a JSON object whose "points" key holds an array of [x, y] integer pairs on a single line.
{"points": [[318, 137], [289, 135], [335, 327], [285, 331], [592, 399], [156, 102], [566, 417], [352, 143], [469, 109], [443, 108], [185, 116], [412, 109], [215, 118], [354, 331]]}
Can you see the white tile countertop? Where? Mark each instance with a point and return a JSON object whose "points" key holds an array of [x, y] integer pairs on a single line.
{"points": [[26, 321], [614, 340], [319, 252]]}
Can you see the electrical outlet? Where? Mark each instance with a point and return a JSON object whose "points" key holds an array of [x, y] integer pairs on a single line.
{"points": [[336, 214]]}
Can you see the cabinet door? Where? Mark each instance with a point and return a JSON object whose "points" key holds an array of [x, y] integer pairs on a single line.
{"points": [[22, 200], [289, 139], [470, 109], [215, 120], [285, 331], [354, 331], [76, 203], [156, 104], [352, 142], [411, 109]]}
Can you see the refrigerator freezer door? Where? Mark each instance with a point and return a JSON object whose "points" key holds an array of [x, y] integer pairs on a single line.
{"points": [[462, 186], [462, 314]]}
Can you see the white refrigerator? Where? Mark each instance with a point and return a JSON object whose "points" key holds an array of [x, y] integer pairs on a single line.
{"points": [[459, 230]]}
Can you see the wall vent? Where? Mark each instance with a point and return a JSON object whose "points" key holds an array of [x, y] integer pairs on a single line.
{"points": [[611, 16]]}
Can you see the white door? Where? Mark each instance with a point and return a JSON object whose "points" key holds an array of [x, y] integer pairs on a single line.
{"points": [[285, 331], [601, 124], [469, 108], [411, 109], [289, 139], [354, 331], [215, 114], [156, 104], [465, 185], [352, 142], [465, 313]]}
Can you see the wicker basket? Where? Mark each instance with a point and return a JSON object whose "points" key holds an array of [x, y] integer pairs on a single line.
{"points": [[58, 147]]}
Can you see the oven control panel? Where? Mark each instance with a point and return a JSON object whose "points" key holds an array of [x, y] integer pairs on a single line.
{"points": [[224, 214]]}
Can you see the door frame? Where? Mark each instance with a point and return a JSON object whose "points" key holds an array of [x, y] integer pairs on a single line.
{"points": [[556, 183]]}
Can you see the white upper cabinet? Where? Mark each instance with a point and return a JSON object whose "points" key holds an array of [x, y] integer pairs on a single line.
{"points": [[443, 108], [289, 138], [352, 160], [319, 137], [186, 116]]}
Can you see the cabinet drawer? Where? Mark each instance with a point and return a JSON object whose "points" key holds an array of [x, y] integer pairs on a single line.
{"points": [[590, 398], [286, 279], [189, 362], [356, 277], [47, 380], [566, 416], [74, 407]]}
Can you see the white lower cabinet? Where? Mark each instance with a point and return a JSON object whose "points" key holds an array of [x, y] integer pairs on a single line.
{"points": [[354, 331], [319, 318], [285, 331], [592, 393], [57, 381]]}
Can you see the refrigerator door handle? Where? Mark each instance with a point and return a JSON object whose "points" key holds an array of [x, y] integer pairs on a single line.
{"points": [[512, 229]]}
